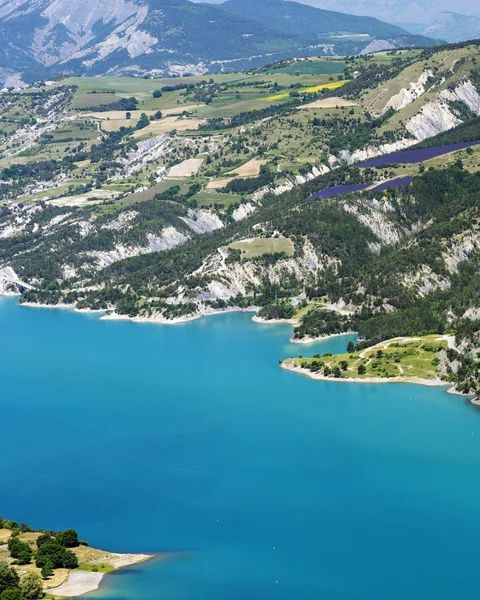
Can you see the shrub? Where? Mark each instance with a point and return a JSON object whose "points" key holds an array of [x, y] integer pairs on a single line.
{"points": [[19, 550], [47, 570]]}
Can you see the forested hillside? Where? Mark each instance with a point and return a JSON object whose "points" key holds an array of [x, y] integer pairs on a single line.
{"points": [[260, 190]]}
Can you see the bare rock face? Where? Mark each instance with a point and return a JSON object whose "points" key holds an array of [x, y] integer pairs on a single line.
{"points": [[169, 238], [8, 280], [467, 93], [243, 211], [433, 118], [408, 95], [203, 221]]}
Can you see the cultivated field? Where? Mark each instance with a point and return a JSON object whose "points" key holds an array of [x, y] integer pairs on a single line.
{"points": [[313, 67], [187, 168], [212, 198], [328, 103], [89, 198], [219, 184], [115, 115], [249, 169], [259, 247], [167, 125]]}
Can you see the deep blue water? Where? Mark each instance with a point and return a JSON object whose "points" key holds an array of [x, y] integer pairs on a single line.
{"points": [[190, 440], [408, 157]]}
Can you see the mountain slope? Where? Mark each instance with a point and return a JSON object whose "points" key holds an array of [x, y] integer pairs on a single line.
{"points": [[44, 38], [98, 217], [299, 19]]}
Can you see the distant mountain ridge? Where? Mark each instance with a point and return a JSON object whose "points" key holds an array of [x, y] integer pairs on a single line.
{"points": [[304, 20], [399, 11], [454, 27], [44, 38]]}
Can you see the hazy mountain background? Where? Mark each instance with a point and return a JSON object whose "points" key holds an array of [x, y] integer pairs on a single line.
{"points": [[423, 17], [399, 11], [45, 38]]}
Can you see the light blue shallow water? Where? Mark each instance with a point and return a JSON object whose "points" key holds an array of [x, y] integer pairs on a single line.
{"points": [[190, 439]]}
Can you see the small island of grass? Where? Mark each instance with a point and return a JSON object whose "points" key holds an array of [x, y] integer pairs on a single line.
{"points": [[417, 360], [38, 563]]}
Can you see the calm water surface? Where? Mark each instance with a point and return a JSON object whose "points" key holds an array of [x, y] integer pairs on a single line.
{"points": [[190, 440]]}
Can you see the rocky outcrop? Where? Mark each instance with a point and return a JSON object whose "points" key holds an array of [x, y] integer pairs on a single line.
{"points": [[289, 184], [408, 95], [243, 211], [170, 238], [10, 282], [147, 152], [460, 249], [433, 118], [227, 280], [467, 93], [202, 221], [373, 151], [424, 281], [122, 222], [374, 216]]}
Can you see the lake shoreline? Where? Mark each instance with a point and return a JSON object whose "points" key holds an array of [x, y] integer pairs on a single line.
{"points": [[320, 338], [159, 319]]}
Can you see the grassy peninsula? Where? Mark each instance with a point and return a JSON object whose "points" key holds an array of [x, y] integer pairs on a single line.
{"points": [[39, 563]]}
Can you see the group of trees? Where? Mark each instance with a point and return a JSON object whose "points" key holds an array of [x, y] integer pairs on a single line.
{"points": [[283, 310], [121, 104], [11, 588], [51, 550], [319, 322], [250, 184], [44, 170]]}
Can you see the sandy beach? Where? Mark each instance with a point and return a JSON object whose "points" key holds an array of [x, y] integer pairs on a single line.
{"points": [[320, 338], [264, 321], [79, 583]]}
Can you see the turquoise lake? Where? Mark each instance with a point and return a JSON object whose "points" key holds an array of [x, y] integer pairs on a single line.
{"points": [[190, 440]]}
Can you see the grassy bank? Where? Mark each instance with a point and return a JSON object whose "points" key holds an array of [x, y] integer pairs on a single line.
{"points": [[398, 358]]}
